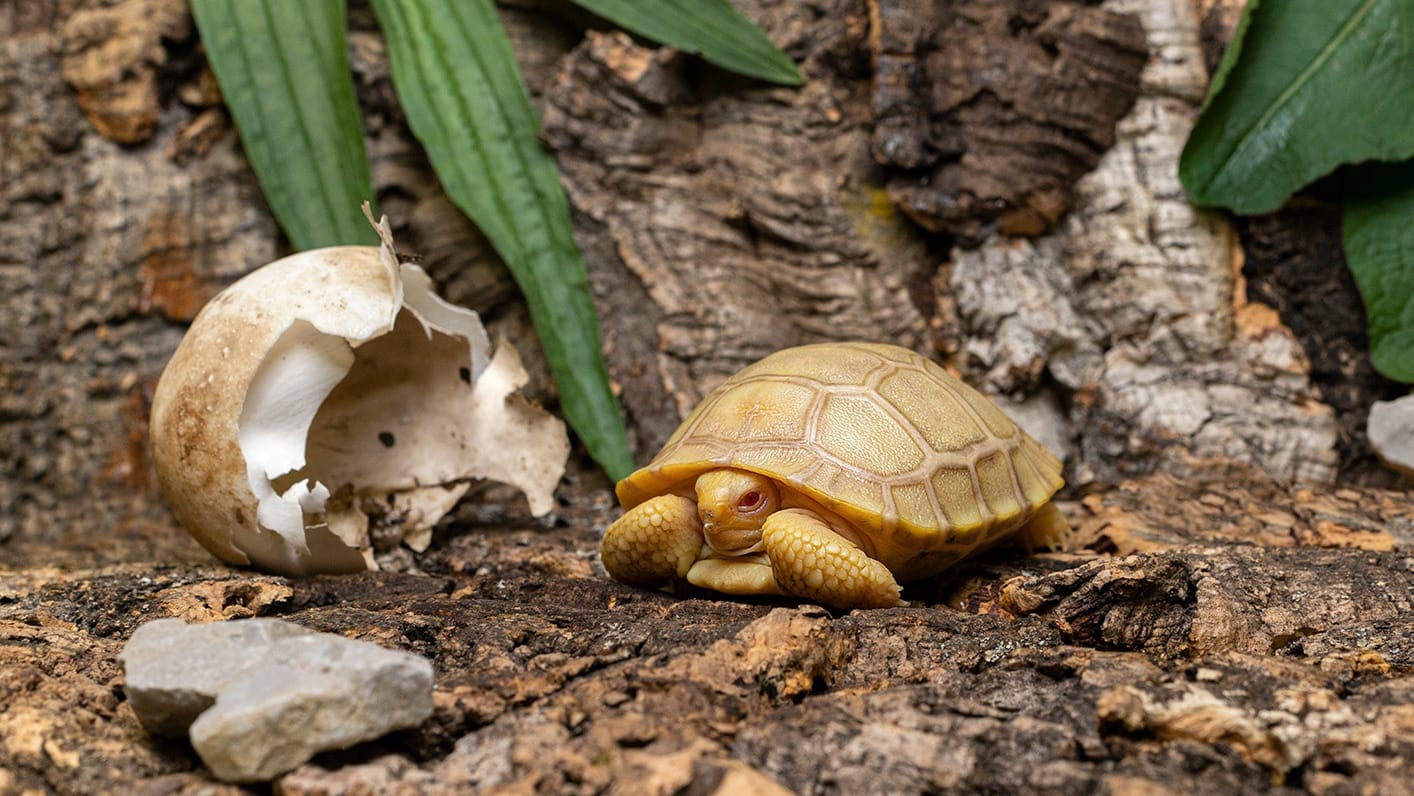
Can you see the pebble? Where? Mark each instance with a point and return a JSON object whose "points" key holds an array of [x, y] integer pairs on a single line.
{"points": [[1391, 433], [259, 697]]}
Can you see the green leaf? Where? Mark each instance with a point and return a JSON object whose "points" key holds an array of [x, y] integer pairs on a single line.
{"points": [[712, 29], [1231, 53], [461, 89], [1317, 83], [284, 73], [1379, 246]]}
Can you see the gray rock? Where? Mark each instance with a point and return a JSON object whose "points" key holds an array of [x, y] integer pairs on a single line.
{"points": [[1391, 432], [261, 696], [174, 671]]}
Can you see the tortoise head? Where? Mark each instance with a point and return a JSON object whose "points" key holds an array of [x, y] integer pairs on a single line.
{"points": [[733, 504]]}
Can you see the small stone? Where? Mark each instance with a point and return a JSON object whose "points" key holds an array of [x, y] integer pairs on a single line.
{"points": [[174, 671], [261, 696], [1391, 433]]}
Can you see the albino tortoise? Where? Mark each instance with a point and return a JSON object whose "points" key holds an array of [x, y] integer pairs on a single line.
{"points": [[831, 472]]}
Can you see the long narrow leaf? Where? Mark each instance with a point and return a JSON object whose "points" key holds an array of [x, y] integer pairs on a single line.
{"points": [[1317, 83], [284, 73], [457, 79], [1379, 246], [710, 28]]}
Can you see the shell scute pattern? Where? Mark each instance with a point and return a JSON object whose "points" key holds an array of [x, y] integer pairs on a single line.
{"points": [[951, 428], [921, 462], [867, 437]]}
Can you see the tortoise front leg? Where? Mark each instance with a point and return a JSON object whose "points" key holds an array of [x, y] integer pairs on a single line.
{"points": [[810, 560], [654, 542]]}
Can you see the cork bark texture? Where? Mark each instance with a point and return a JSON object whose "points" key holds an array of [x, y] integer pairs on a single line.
{"points": [[989, 182], [987, 113], [1232, 635]]}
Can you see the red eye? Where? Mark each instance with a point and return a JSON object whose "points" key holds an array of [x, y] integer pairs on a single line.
{"points": [[749, 501]]}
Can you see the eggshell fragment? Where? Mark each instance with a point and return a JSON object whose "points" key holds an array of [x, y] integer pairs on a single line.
{"points": [[330, 396]]}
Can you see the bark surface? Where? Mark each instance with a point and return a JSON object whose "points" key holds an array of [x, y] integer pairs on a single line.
{"points": [[1224, 636], [1232, 617], [989, 112]]}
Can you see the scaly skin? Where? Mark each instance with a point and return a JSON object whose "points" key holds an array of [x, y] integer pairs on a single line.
{"points": [[655, 542], [1046, 530], [810, 560], [712, 543]]}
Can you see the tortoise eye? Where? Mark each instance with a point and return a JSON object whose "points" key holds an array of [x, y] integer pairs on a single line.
{"points": [[749, 501]]}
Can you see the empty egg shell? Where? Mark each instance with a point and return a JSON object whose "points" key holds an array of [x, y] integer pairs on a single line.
{"points": [[333, 391]]}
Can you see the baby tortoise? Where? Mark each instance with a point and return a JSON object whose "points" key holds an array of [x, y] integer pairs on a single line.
{"points": [[831, 472]]}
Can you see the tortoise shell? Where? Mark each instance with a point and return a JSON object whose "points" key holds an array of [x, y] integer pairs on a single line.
{"points": [[925, 468]]}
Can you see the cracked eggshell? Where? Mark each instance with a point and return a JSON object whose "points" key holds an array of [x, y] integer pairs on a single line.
{"points": [[331, 397]]}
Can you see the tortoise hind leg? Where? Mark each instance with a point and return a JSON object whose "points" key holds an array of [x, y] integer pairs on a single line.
{"points": [[654, 542], [810, 560], [1046, 530]]}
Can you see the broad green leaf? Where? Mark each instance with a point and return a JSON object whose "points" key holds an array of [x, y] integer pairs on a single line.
{"points": [[458, 81], [1379, 246], [1317, 83], [712, 29], [284, 73], [1231, 53]]}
